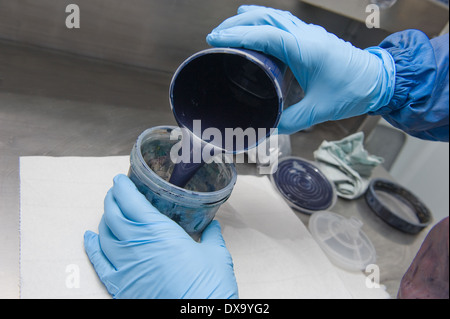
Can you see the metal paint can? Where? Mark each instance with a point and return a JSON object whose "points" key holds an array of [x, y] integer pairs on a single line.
{"points": [[228, 88]]}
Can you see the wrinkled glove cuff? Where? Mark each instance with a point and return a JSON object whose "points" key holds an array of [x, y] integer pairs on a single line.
{"points": [[386, 81], [415, 69]]}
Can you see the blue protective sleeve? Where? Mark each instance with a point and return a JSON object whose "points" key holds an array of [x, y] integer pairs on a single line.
{"points": [[420, 103]]}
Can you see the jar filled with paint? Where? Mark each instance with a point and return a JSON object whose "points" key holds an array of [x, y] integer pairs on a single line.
{"points": [[192, 206]]}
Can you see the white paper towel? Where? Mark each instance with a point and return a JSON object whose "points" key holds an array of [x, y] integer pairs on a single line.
{"points": [[274, 255]]}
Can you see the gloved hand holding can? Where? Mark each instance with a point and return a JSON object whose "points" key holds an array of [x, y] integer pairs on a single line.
{"points": [[339, 80]]}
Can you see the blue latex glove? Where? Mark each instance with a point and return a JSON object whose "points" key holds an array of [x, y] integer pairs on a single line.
{"points": [[339, 80], [141, 253]]}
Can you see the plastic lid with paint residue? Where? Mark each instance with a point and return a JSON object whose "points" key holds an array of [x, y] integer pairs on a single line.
{"points": [[303, 185]]}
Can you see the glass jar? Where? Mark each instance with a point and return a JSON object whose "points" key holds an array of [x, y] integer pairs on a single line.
{"points": [[192, 207]]}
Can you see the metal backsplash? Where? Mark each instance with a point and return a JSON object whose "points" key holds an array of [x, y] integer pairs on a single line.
{"points": [[152, 34]]}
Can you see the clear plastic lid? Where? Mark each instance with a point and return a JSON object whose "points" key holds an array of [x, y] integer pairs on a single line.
{"points": [[342, 240]]}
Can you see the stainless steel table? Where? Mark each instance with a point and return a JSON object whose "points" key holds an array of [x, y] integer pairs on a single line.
{"points": [[54, 104]]}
